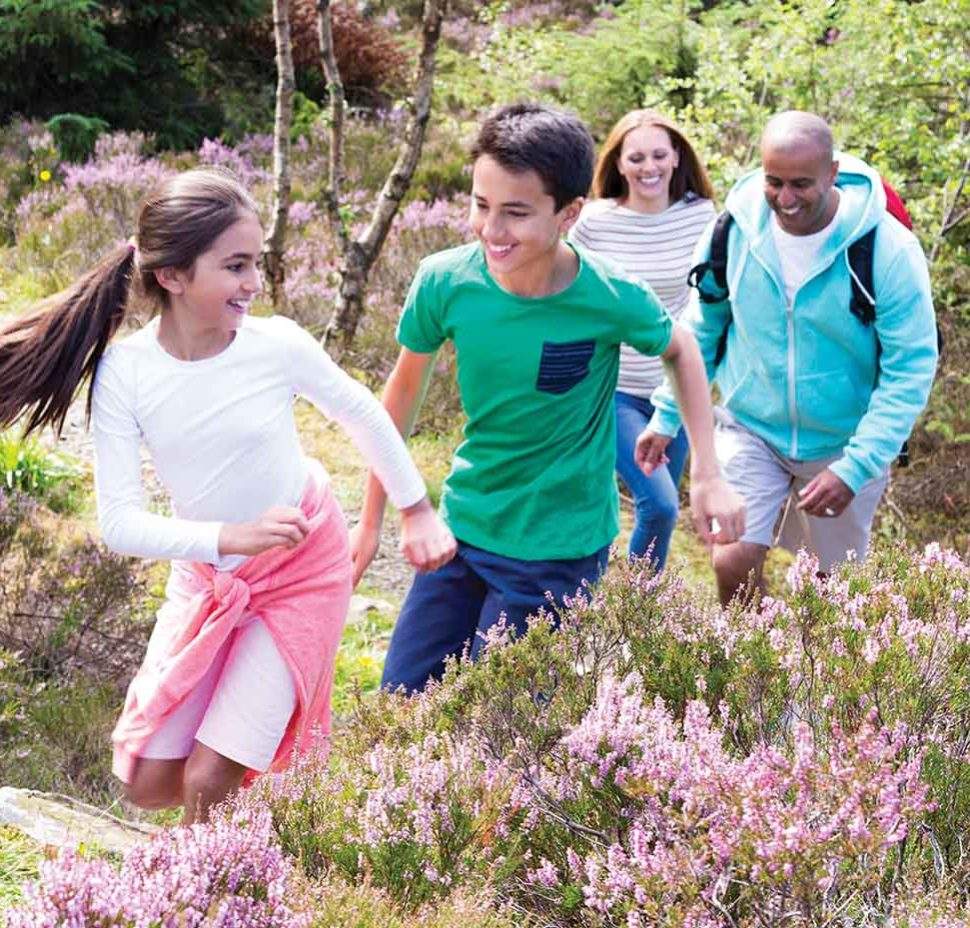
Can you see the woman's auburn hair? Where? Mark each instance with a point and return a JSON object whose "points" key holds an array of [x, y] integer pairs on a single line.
{"points": [[690, 175]]}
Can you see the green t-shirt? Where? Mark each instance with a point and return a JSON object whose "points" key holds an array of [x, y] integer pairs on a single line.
{"points": [[533, 478]]}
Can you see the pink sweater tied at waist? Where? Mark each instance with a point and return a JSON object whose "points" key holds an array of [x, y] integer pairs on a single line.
{"points": [[301, 594]]}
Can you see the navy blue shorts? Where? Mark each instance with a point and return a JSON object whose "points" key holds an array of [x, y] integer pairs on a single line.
{"points": [[456, 604]]}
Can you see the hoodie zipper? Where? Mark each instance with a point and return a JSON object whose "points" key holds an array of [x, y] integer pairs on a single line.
{"points": [[792, 413], [790, 331]]}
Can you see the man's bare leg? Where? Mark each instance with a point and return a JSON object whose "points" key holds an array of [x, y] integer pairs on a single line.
{"points": [[739, 569]]}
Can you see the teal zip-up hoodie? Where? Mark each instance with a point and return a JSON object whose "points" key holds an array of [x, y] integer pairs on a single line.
{"points": [[810, 378]]}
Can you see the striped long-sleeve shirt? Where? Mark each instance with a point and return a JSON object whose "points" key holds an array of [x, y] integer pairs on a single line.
{"points": [[651, 247]]}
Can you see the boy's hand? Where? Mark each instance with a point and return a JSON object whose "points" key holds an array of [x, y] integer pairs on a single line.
{"points": [[825, 495], [425, 540], [718, 511], [650, 451], [364, 542]]}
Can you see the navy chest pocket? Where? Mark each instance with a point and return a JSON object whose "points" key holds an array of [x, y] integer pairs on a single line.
{"points": [[563, 365]]}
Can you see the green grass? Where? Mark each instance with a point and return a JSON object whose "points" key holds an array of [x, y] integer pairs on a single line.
{"points": [[363, 646], [19, 860]]}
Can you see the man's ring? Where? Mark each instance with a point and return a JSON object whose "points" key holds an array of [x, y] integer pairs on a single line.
{"points": [[829, 511]]}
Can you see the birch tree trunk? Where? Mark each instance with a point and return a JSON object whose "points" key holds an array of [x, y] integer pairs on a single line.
{"points": [[276, 240], [358, 254]]}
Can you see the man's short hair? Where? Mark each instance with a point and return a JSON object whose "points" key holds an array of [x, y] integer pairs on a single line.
{"points": [[533, 137]]}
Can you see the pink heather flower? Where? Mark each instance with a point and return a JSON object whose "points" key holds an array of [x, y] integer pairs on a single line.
{"points": [[230, 869], [545, 875], [301, 212]]}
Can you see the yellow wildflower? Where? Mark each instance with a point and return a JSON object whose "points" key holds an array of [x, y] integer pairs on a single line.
{"points": [[45, 175]]}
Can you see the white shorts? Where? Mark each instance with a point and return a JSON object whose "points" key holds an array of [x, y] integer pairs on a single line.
{"points": [[769, 483], [240, 708]]}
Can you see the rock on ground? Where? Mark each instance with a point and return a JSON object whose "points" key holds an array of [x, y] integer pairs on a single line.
{"points": [[59, 821]]}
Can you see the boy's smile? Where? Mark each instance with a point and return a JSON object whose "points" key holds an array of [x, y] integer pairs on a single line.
{"points": [[520, 230]]}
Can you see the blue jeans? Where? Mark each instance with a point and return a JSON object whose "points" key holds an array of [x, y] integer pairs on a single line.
{"points": [[655, 500], [458, 603]]}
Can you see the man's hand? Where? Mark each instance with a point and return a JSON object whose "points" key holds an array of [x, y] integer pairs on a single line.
{"points": [[825, 495], [650, 451], [281, 526], [425, 540], [718, 511], [364, 542]]}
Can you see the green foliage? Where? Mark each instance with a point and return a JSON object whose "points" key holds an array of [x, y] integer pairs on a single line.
{"points": [[305, 114], [116, 61], [28, 467], [19, 860], [602, 69], [75, 134]]}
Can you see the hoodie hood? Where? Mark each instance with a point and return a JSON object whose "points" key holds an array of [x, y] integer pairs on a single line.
{"points": [[863, 202]]}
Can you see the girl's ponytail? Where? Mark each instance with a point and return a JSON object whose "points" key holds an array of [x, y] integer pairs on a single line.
{"points": [[46, 354]]}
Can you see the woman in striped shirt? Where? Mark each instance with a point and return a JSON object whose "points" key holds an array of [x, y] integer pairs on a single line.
{"points": [[652, 201]]}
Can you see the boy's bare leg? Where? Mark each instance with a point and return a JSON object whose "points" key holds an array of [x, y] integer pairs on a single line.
{"points": [[739, 568], [208, 779]]}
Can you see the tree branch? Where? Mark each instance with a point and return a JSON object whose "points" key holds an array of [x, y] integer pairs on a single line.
{"points": [[949, 220], [398, 181], [335, 91], [285, 83], [360, 254]]}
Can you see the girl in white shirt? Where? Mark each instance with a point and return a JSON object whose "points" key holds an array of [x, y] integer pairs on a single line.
{"points": [[652, 201], [210, 390]]}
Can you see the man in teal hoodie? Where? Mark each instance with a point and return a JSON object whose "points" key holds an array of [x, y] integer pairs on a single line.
{"points": [[815, 404]]}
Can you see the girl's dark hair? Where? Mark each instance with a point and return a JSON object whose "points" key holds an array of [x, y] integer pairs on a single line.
{"points": [[689, 176], [534, 137], [46, 354]]}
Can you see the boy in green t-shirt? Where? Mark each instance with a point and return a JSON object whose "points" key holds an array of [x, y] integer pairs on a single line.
{"points": [[537, 326]]}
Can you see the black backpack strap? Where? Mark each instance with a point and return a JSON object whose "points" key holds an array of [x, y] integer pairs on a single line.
{"points": [[716, 263], [860, 255]]}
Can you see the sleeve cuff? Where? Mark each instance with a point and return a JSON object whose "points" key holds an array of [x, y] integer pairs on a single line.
{"points": [[665, 422], [209, 542], [403, 497], [852, 475]]}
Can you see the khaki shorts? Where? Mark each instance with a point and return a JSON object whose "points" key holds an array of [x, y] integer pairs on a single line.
{"points": [[769, 483]]}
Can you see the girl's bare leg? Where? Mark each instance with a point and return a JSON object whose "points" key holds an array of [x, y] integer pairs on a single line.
{"points": [[208, 779], [156, 784]]}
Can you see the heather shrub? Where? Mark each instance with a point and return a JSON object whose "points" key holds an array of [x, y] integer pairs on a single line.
{"points": [[657, 760], [28, 159], [56, 731], [65, 225], [66, 603], [339, 904], [229, 874]]}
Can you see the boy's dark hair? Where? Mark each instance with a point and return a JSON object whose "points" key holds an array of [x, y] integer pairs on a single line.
{"points": [[533, 137]]}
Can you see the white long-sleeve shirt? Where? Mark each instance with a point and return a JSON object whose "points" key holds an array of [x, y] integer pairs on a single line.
{"points": [[222, 437]]}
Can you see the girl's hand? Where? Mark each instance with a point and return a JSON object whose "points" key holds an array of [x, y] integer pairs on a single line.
{"points": [[281, 526], [364, 542], [425, 540]]}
